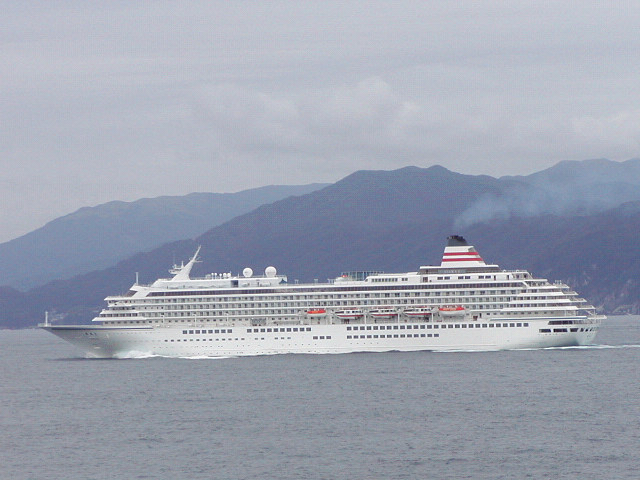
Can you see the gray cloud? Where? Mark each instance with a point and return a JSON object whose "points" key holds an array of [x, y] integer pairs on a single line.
{"points": [[104, 101]]}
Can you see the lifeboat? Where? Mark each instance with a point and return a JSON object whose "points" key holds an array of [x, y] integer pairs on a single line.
{"points": [[384, 312], [451, 310], [350, 313], [316, 312], [418, 312]]}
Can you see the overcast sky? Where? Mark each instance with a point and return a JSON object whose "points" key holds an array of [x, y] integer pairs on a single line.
{"points": [[120, 100]]}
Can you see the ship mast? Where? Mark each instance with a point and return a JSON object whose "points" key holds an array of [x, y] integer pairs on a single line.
{"points": [[182, 272]]}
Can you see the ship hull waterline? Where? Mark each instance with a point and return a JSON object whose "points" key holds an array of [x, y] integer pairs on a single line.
{"points": [[128, 342]]}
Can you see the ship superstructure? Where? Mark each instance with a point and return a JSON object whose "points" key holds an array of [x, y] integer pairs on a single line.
{"points": [[462, 304]]}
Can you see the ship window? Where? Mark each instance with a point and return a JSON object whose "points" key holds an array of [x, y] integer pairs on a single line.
{"points": [[184, 332], [545, 330], [348, 337], [464, 325], [349, 328], [512, 325], [308, 329]]}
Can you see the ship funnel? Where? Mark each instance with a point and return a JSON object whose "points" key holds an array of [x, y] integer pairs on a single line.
{"points": [[459, 254]]}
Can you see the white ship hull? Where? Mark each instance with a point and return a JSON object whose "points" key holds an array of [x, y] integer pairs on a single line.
{"points": [[124, 342]]}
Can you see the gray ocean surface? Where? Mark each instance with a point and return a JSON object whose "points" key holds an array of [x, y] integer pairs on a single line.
{"points": [[550, 413]]}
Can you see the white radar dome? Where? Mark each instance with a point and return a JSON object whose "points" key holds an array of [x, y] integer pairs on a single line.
{"points": [[270, 272], [247, 272]]}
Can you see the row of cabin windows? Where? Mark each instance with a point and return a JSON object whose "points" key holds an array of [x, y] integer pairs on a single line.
{"points": [[192, 332], [314, 290], [329, 295], [395, 335], [436, 326], [205, 339], [482, 297], [282, 329], [564, 330]]}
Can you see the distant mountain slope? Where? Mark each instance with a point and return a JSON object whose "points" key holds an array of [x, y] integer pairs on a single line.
{"points": [[98, 237], [393, 221], [598, 255], [568, 188]]}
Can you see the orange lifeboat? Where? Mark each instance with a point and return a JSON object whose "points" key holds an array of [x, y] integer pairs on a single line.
{"points": [[451, 310]]}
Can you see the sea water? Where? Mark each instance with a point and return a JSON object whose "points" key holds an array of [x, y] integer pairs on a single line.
{"points": [[546, 413]]}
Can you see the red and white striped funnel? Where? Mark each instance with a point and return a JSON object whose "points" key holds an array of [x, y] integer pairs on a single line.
{"points": [[458, 253]]}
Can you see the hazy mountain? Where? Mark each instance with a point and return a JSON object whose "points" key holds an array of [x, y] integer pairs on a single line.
{"points": [[568, 188], [98, 237], [393, 221]]}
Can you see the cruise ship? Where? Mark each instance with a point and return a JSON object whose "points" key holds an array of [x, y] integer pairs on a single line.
{"points": [[462, 304]]}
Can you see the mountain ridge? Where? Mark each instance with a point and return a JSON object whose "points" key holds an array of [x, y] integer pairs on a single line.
{"points": [[93, 238], [392, 221]]}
